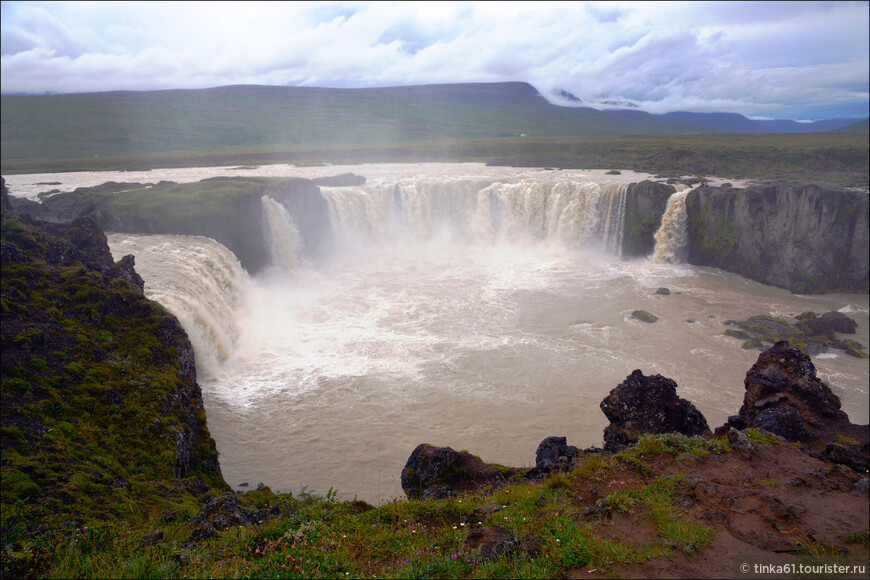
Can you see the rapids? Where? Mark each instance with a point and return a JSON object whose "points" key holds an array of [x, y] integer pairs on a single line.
{"points": [[467, 306]]}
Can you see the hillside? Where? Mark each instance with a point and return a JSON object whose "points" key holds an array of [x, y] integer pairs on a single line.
{"points": [[254, 117], [122, 123]]}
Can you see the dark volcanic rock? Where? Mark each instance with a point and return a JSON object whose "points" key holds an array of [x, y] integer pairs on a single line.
{"points": [[644, 316], [125, 269], [785, 397], [811, 333], [491, 542], [553, 454], [645, 205], [5, 200], [827, 324], [221, 513], [854, 455], [804, 238], [644, 404], [426, 467], [435, 472]]}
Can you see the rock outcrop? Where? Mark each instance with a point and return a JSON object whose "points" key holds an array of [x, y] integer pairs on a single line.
{"points": [[226, 209], [813, 334], [645, 205], [642, 404], [435, 472], [804, 238], [553, 454], [490, 542], [83, 345], [785, 397]]}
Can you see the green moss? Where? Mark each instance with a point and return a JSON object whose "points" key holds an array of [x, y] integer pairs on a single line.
{"points": [[19, 486]]}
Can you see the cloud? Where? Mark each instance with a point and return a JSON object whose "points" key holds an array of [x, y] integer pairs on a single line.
{"points": [[755, 58]]}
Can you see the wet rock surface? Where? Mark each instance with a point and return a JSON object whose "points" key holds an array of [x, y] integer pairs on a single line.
{"points": [[785, 397], [802, 237], [437, 472], [648, 404], [812, 333], [553, 454]]}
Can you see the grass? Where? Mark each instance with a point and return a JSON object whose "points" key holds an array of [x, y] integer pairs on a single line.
{"points": [[825, 158], [90, 485], [316, 538], [313, 536]]}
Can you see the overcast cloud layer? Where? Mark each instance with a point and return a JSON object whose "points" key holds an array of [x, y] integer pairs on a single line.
{"points": [[797, 60]]}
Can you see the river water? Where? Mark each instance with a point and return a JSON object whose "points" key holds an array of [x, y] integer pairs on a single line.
{"points": [[487, 327]]}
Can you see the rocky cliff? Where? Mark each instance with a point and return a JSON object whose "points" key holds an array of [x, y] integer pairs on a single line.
{"points": [[805, 238], [644, 207], [101, 406], [226, 209]]}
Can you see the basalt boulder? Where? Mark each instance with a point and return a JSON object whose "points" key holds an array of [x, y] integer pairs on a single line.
{"points": [[785, 397], [490, 542], [436, 472], [648, 404], [553, 454]]}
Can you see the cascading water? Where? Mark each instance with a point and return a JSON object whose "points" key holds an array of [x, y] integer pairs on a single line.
{"points": [[198, 280], [672, 236], [614, 218], [476, 313], [282, 236], [564, 212]]}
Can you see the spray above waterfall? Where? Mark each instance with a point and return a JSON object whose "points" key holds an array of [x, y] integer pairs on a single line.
{"points": [[283, 239], [478, 311], [565, 212], [199, 281]]}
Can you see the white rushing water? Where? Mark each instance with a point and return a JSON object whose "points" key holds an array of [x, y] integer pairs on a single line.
{"points": [[672, 237], [465, 306]]}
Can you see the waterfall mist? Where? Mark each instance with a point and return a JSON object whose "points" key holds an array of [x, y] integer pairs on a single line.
{"points": [[482, 311]]}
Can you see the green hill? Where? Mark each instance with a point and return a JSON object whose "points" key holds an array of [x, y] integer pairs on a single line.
{"points": [[859, 127], [226, 118], [497, 123]]}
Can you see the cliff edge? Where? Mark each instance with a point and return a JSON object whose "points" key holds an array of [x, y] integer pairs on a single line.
{"points": [[805, 238]]}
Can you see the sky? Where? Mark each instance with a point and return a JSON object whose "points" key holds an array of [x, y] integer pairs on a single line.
{"points": [[783, 60]]}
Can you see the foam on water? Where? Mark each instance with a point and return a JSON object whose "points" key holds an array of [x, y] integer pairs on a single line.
{"points": [[478, 312]]}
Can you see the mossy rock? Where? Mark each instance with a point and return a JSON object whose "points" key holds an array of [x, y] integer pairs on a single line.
{"points": [[753, 343], [736, 334], [644, 316]]}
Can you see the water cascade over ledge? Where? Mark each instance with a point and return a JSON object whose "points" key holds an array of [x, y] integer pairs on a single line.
{"points": [[673, 235], [482, 313]]}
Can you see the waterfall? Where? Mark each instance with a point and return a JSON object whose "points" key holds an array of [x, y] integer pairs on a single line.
{"points": [[282, 236], [614, 216], [673, 235], [196, 279], [565, 212]]}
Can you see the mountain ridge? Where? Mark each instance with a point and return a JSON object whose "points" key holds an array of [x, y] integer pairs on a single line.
{"points": [[247, 116]]}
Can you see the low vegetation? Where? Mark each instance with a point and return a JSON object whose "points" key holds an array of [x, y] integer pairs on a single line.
{"points": [[826, 158], [309, 536]]}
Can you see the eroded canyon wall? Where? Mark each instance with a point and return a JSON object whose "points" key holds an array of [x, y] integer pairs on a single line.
{"points": [[802, 237]]}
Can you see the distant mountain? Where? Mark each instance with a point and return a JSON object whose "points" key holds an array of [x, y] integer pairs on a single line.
{"points": [[862, 126], [246, 117], [735, 123]]}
